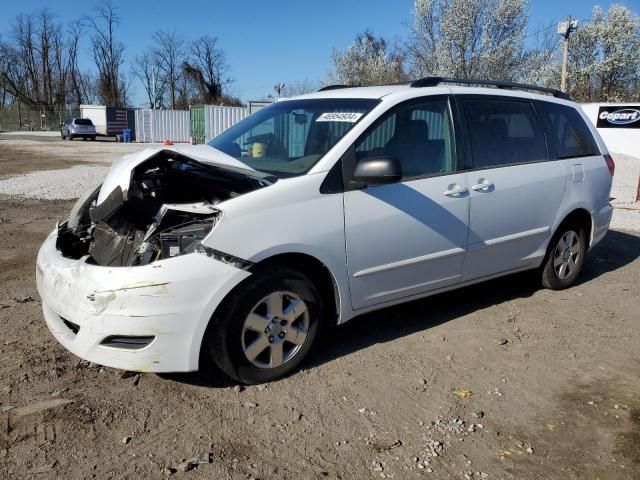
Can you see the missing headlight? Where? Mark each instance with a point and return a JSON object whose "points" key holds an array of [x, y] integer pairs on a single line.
{"points": [[183, 240]]}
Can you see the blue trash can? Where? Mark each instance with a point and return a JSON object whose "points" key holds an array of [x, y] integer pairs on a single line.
{"points": [[126, 135]]}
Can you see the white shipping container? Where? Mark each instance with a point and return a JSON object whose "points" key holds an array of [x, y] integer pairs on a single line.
{"points": [[154, 126], [218, 119]]}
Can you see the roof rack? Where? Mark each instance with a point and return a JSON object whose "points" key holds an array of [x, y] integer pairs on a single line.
{"points": [[335, 87], [435, 81]]}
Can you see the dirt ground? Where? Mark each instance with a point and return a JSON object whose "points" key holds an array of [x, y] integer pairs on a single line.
{"points": [[500, 381]]}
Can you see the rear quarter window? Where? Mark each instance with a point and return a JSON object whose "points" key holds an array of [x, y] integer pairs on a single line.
{"points": [[568, 130], [503, 132]]}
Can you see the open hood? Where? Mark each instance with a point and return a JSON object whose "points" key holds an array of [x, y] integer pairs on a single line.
{"points": [[155, 204]]}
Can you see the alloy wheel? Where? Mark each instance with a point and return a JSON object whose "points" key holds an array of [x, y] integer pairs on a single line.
{"points": [[275, 330], [567, 254]]}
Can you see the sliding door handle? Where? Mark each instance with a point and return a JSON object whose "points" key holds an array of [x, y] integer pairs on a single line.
{"points": [[455, 190], [483, 186]]}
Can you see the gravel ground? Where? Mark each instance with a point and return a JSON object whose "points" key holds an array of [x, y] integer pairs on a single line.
{"points": [[24, 154], [66, 184], [501, 380], [43, 167], [25, 134]]}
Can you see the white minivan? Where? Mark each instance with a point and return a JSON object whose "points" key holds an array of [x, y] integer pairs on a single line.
{"points": [[317, 209]]}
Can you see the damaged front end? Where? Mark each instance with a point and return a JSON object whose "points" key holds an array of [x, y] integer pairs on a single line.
{"points": [[167, 209]]}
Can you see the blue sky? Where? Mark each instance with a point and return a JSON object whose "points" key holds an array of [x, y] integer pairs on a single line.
{"points": [[278, 41]]}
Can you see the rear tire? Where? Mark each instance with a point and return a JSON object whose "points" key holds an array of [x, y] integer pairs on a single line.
{"points": [[266, 326], [565, 256]]}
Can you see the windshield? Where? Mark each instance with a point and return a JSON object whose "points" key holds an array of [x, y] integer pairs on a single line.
{"points": [[287, 138], [83, 121]]}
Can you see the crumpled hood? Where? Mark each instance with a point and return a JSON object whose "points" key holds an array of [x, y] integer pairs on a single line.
{"points": [[122, 169]]}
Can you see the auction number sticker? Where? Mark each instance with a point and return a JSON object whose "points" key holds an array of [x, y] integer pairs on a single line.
{"points": [[350, 117]]}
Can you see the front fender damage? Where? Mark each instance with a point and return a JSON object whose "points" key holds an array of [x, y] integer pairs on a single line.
{"points": [[168, 207]]}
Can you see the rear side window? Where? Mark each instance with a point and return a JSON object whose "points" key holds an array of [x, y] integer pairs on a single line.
{"points": [[83, 121], [568, 130], [503, 132]]}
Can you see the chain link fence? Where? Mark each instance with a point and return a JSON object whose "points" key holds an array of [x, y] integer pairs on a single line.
{"points": [[33, 120]]}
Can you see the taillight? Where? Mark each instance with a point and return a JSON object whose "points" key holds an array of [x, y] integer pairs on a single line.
{"points": [[610, 163]]}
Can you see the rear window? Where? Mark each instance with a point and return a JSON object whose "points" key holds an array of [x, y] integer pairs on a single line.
{"points": [[503, 132], [83, 121], [569, 131]]}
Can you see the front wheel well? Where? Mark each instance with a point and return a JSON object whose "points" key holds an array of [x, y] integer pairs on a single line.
{"points": [[582, 217], [315, 271]]}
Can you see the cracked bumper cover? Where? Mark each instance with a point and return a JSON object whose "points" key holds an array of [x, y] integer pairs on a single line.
{"points": [[171, 300]]}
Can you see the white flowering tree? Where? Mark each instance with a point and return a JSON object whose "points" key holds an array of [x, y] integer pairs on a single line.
{"points": [[467, 38], [604, 57], [369, 60], [486, 39], [541, 63]]}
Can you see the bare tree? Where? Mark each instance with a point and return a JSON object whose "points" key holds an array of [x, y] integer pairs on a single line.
{"points": [[78, 87], [169, 53], [147, 70], [207, 68], [39, 64], [368, 61], [186, 92], [5, 95], [108, 53], [35, 61]]}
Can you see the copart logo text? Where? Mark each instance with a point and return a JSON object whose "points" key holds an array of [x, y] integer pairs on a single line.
{"points": [[620, 117]]}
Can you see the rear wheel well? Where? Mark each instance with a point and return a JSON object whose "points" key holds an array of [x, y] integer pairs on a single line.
{"points": [[315, 271], [581, 217]]}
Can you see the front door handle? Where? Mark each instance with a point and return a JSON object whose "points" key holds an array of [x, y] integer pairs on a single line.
{"points": [[483, 185], [455, 190]]}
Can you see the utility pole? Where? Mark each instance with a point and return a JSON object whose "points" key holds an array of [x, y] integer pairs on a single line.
{"points": [[565, 29]]}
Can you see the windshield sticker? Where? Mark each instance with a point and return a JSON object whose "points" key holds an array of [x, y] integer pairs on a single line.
{"points": [[350, 117]]}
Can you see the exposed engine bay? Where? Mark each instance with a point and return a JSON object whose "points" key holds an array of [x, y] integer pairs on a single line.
{"points": [[168, 209]]}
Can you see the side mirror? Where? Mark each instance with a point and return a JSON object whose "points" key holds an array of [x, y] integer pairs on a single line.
{"points": [[61, 125], [372, 171]]}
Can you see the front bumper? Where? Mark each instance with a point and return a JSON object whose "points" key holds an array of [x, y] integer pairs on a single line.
{"points": [[171, 300]]}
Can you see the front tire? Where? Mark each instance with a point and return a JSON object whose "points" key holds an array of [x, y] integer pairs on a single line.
{"points": [[266, 327], [565, 257]]}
